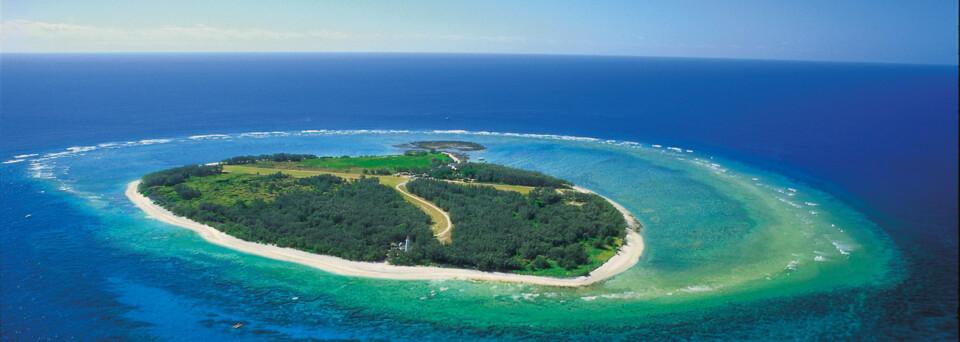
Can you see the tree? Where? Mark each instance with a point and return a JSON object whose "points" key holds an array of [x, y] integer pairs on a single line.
{"points": [[540, 262], [186, 192]]}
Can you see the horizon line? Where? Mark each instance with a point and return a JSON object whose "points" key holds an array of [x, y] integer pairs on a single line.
{"points": [[450, 53]]}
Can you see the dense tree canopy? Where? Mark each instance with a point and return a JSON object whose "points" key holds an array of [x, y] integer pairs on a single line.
{"points": [[178, 175], [504, 230], [356, 220], [276, 157], [493, 173]]}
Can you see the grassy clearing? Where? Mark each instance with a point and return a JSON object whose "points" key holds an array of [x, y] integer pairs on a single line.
{"points": [[264, 170], [597, 257], [391, 163], [226, 189]]}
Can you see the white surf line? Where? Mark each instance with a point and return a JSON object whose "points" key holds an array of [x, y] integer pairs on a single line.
{"points": [[445, 216], [626, 257]]}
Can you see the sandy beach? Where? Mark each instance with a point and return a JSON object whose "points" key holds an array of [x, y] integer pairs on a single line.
{"points": [[626, 257]]}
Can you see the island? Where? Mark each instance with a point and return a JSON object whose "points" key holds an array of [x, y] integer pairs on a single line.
{"points": [[423, 214]]}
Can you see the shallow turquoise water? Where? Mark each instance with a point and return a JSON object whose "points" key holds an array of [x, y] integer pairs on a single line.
{"points": [[721, 237]]}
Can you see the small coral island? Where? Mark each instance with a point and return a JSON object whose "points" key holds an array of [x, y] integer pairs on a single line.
{"points": [[423, 207]]}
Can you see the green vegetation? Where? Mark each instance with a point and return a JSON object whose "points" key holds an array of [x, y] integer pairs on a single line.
{"points": [[410, 162], [392, 181], [506, 231], [278, 199], [493, 173], [177, 175], [356, 220]]}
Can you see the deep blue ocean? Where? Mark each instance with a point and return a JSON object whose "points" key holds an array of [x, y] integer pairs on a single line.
{"points": [[879, 138]]}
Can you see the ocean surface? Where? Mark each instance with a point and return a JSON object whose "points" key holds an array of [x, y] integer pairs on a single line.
{"points": [[782, 200]]}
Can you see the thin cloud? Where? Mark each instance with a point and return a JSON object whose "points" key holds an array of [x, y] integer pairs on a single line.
{"points": [[36, 30]]}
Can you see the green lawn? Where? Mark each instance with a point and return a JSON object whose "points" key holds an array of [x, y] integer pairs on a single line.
{"points": [[392, 163]]}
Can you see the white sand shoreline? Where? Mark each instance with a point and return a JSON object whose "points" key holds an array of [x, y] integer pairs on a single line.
{"points": [[626, 257]]}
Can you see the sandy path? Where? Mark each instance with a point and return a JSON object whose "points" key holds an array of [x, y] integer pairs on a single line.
{"points": [[628, 255], [442, 235], [455, 159]]}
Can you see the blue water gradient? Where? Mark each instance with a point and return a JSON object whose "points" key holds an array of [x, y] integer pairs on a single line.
{"points": [[873, 146]]}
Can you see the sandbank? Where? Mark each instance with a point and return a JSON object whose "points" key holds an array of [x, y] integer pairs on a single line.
{"points": [[626, 257]]}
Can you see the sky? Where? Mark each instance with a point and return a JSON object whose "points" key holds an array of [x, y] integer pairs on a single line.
{"points": [[874, 31]]}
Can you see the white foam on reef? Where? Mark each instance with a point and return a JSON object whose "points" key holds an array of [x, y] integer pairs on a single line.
{"points": [[153, 141], [25, 156], [842, 248], [624, 295], [39, 166], [14, 161], [717, 168], [675, 149], [263, 134], [696, 288], [78, 149], [530, 135], [792, 204], [589, 298], [209, 136], [792, 265], [819, 258], [657, 146], [310, 132]]}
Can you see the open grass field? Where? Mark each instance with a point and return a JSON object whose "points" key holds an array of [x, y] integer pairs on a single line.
{"points": [[391, 163], [228, 188], [264, 170]]}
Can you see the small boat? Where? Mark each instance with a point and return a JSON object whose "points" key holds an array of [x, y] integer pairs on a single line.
{"points": [[237, 325], [28, 216]]}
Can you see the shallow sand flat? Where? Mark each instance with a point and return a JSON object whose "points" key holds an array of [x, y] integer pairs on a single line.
{"points": [[628, 255]]}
